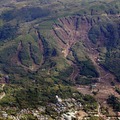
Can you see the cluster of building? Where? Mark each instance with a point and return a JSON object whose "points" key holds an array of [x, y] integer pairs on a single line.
{"points": [[66, 109]]}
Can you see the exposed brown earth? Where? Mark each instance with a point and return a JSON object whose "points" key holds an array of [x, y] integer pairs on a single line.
{"points": [[34, 66], [68, 32]]}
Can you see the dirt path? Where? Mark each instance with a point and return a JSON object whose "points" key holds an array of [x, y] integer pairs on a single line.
{"points": [[99, 109], [3, 93]]}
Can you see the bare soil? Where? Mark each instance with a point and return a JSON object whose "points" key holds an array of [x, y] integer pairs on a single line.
{"points": [[34, 66], [70, 31]]}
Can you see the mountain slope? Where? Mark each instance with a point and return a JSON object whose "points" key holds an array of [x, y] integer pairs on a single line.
{"points": [[60, 48]]}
